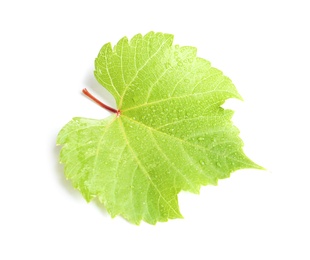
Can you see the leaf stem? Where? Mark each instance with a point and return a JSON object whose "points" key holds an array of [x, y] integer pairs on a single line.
{"points": [[111, 109]]}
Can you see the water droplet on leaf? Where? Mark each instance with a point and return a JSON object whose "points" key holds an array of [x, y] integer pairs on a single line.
{"points": [[167, 65]]}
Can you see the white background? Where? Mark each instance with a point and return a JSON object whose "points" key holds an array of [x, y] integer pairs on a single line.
{"points": [[46, 58]]}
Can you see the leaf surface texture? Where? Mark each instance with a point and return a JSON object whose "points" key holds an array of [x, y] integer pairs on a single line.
{"points": [[172, 133]]}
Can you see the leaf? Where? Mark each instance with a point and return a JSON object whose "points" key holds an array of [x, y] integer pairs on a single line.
{"points": [[171, 134]]}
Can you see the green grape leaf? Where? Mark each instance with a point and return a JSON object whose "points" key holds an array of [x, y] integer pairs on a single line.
{"points": [[170, 132]]}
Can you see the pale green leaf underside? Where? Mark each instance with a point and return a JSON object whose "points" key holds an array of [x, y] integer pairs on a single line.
{"points": [[172, 133]]}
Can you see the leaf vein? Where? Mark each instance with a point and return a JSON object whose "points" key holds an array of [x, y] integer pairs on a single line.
{"points": [[169, 161], [141, 68], [144, 170]]}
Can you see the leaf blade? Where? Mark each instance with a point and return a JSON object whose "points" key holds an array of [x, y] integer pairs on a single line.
{"points": [[171, 135]]}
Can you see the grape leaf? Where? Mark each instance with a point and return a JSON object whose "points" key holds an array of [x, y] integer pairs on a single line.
{"points": [[169, 134]]}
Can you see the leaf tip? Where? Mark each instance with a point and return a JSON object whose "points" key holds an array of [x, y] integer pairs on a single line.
{"points": [[258, 167]]}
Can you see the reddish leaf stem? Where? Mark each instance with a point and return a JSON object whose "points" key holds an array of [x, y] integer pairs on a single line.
{"points": [[116, 111]]}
